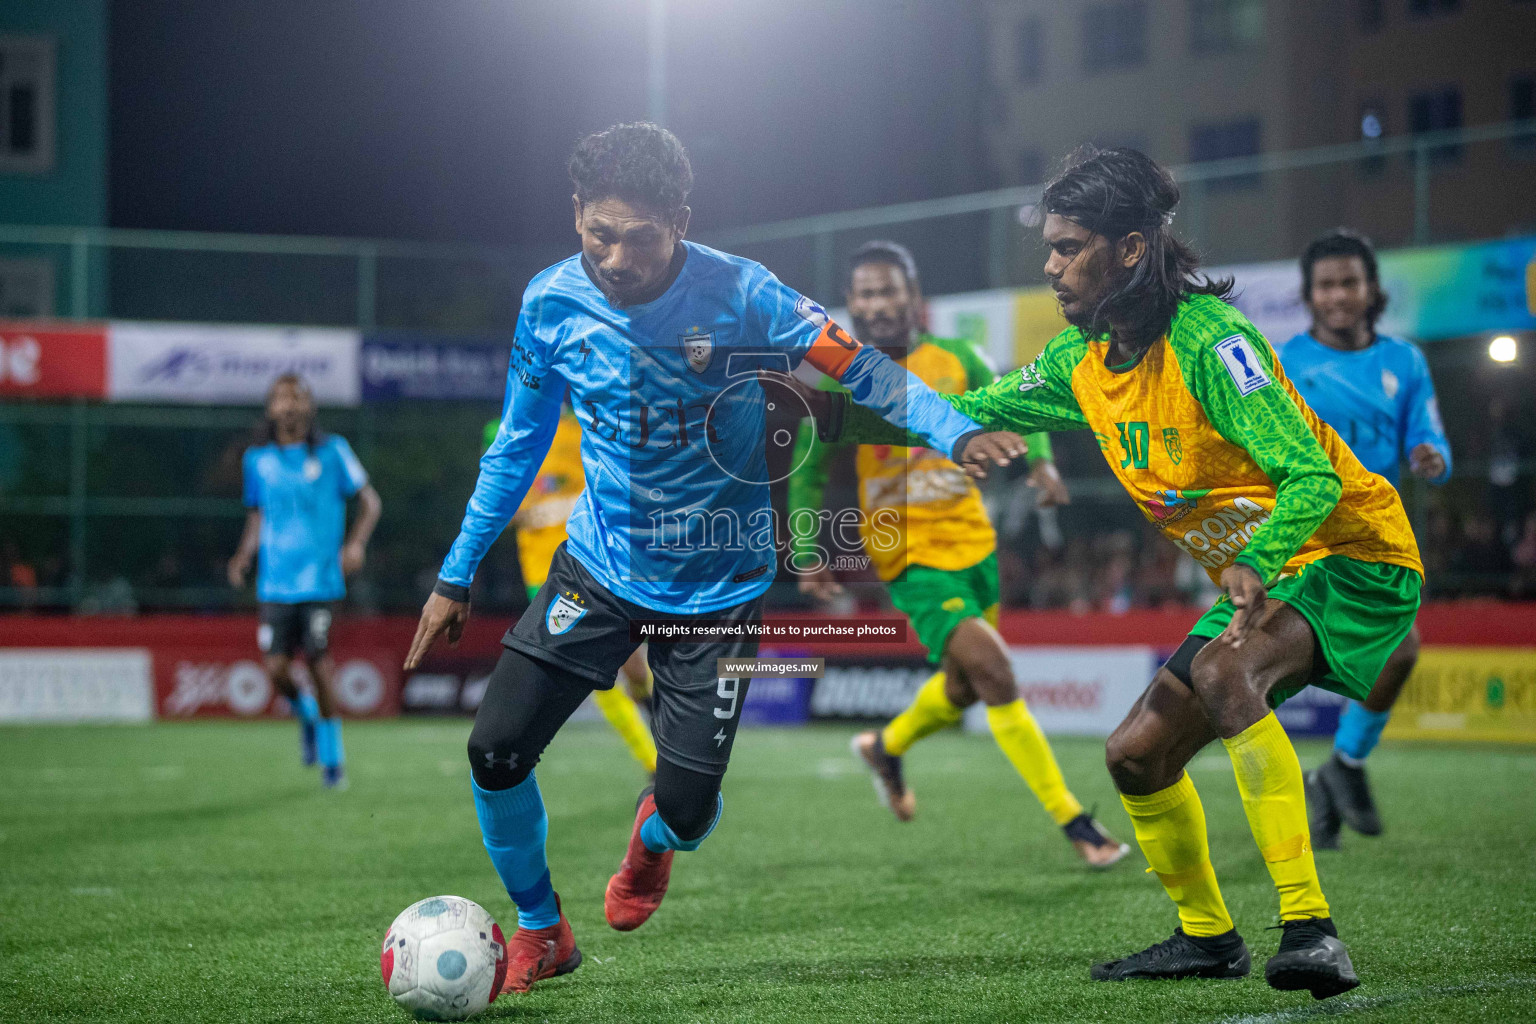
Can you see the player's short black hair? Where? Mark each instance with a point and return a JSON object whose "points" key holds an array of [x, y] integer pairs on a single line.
{"points": [[640, 163], [1113, 192], [883, 250], [1344, 242]]}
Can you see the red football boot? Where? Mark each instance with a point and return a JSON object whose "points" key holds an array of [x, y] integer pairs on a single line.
{"points": [[636, 891], [538, 953]]}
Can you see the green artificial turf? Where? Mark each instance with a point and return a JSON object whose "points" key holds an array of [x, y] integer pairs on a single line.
{"points": [[193, 872]]}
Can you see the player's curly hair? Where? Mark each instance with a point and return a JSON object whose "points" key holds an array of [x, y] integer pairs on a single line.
{"points": [[1344, 242], [1113, 192], [640, 163]]}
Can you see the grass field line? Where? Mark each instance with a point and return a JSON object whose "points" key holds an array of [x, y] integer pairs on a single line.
{"points": [[1346, 1006]]}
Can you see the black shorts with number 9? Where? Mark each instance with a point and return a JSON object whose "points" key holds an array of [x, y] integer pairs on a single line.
{"points": [[578, 625]]}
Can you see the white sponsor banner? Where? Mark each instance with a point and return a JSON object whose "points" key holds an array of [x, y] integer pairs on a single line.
{"points": [[229, 364], [1269, 294], [984, 317], [1076, 691], [45, 684]]}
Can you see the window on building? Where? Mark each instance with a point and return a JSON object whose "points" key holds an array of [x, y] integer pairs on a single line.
{"points": [[1029, 55], [1432, 8], [1522, 107], [1372, 14], [1373, 128], [1435, 111], [26, 287], [1222, 142], [26, 104], [1114, 36], [1219, 25]]}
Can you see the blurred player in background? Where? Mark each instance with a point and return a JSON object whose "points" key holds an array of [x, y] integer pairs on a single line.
{"points": [[656, 341], [1319, 567], [540, 526], [1376, 392], [943, 570], [297, 482]]}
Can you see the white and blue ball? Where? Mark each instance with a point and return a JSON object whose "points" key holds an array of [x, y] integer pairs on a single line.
{"points": [[444, 958]]}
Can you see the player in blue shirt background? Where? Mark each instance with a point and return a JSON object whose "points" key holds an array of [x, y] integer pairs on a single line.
{"points": [[1376, 392], [659, 342], [297, 482]]}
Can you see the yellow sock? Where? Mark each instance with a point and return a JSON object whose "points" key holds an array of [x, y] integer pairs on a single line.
{"points": [[1017, 732], [930, 711], [642, 688], [624, 715], [1170, 828], [1274, 796]]}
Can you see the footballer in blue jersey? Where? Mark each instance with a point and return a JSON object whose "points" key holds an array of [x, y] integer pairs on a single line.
{"points": [[297, 483], [1376, 393], [660, 343]]}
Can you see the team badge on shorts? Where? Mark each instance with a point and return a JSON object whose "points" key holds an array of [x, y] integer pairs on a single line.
{"points": [[698, 347], [564, 612]]}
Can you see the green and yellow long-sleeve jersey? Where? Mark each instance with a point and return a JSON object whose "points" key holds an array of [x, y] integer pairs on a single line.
{"points": [[1209, 438]]}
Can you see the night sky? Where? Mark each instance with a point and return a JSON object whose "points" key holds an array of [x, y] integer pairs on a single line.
{"points": [[453, 119]]}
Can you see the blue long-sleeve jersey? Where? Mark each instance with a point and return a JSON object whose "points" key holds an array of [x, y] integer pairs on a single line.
{"points": [[1380, 399], [676, 514]]}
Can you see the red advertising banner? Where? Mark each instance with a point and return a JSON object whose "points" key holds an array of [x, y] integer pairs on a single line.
{"points": [[209, 666], [224, 682], [48, 360]]}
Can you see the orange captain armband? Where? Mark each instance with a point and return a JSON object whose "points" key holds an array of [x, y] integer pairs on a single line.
{"points": [[833, 351]]}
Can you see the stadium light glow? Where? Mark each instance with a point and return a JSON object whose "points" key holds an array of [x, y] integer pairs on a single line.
{"points": [[1503, 349]]}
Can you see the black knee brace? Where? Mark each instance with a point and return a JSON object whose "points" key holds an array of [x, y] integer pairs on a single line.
{"points": [[525, 704]]}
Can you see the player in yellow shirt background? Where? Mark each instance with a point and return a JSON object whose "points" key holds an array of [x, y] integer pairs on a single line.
{"points": [[540, 525], [942, 569], [1320, 571]]}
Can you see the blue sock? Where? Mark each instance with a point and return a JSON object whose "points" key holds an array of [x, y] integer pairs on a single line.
{"points": [[305, 709], [658, 836], [514, 826], [1359, 731], [328, 743]]}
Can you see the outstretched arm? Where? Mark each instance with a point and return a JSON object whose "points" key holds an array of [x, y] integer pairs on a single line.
{"points": [[507, 469], [895, 395], [786, 318], [529, 417], [1035, 398]]}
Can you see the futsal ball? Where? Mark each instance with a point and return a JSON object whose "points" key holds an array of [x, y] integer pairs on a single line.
{"points": [[444, 959]]}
